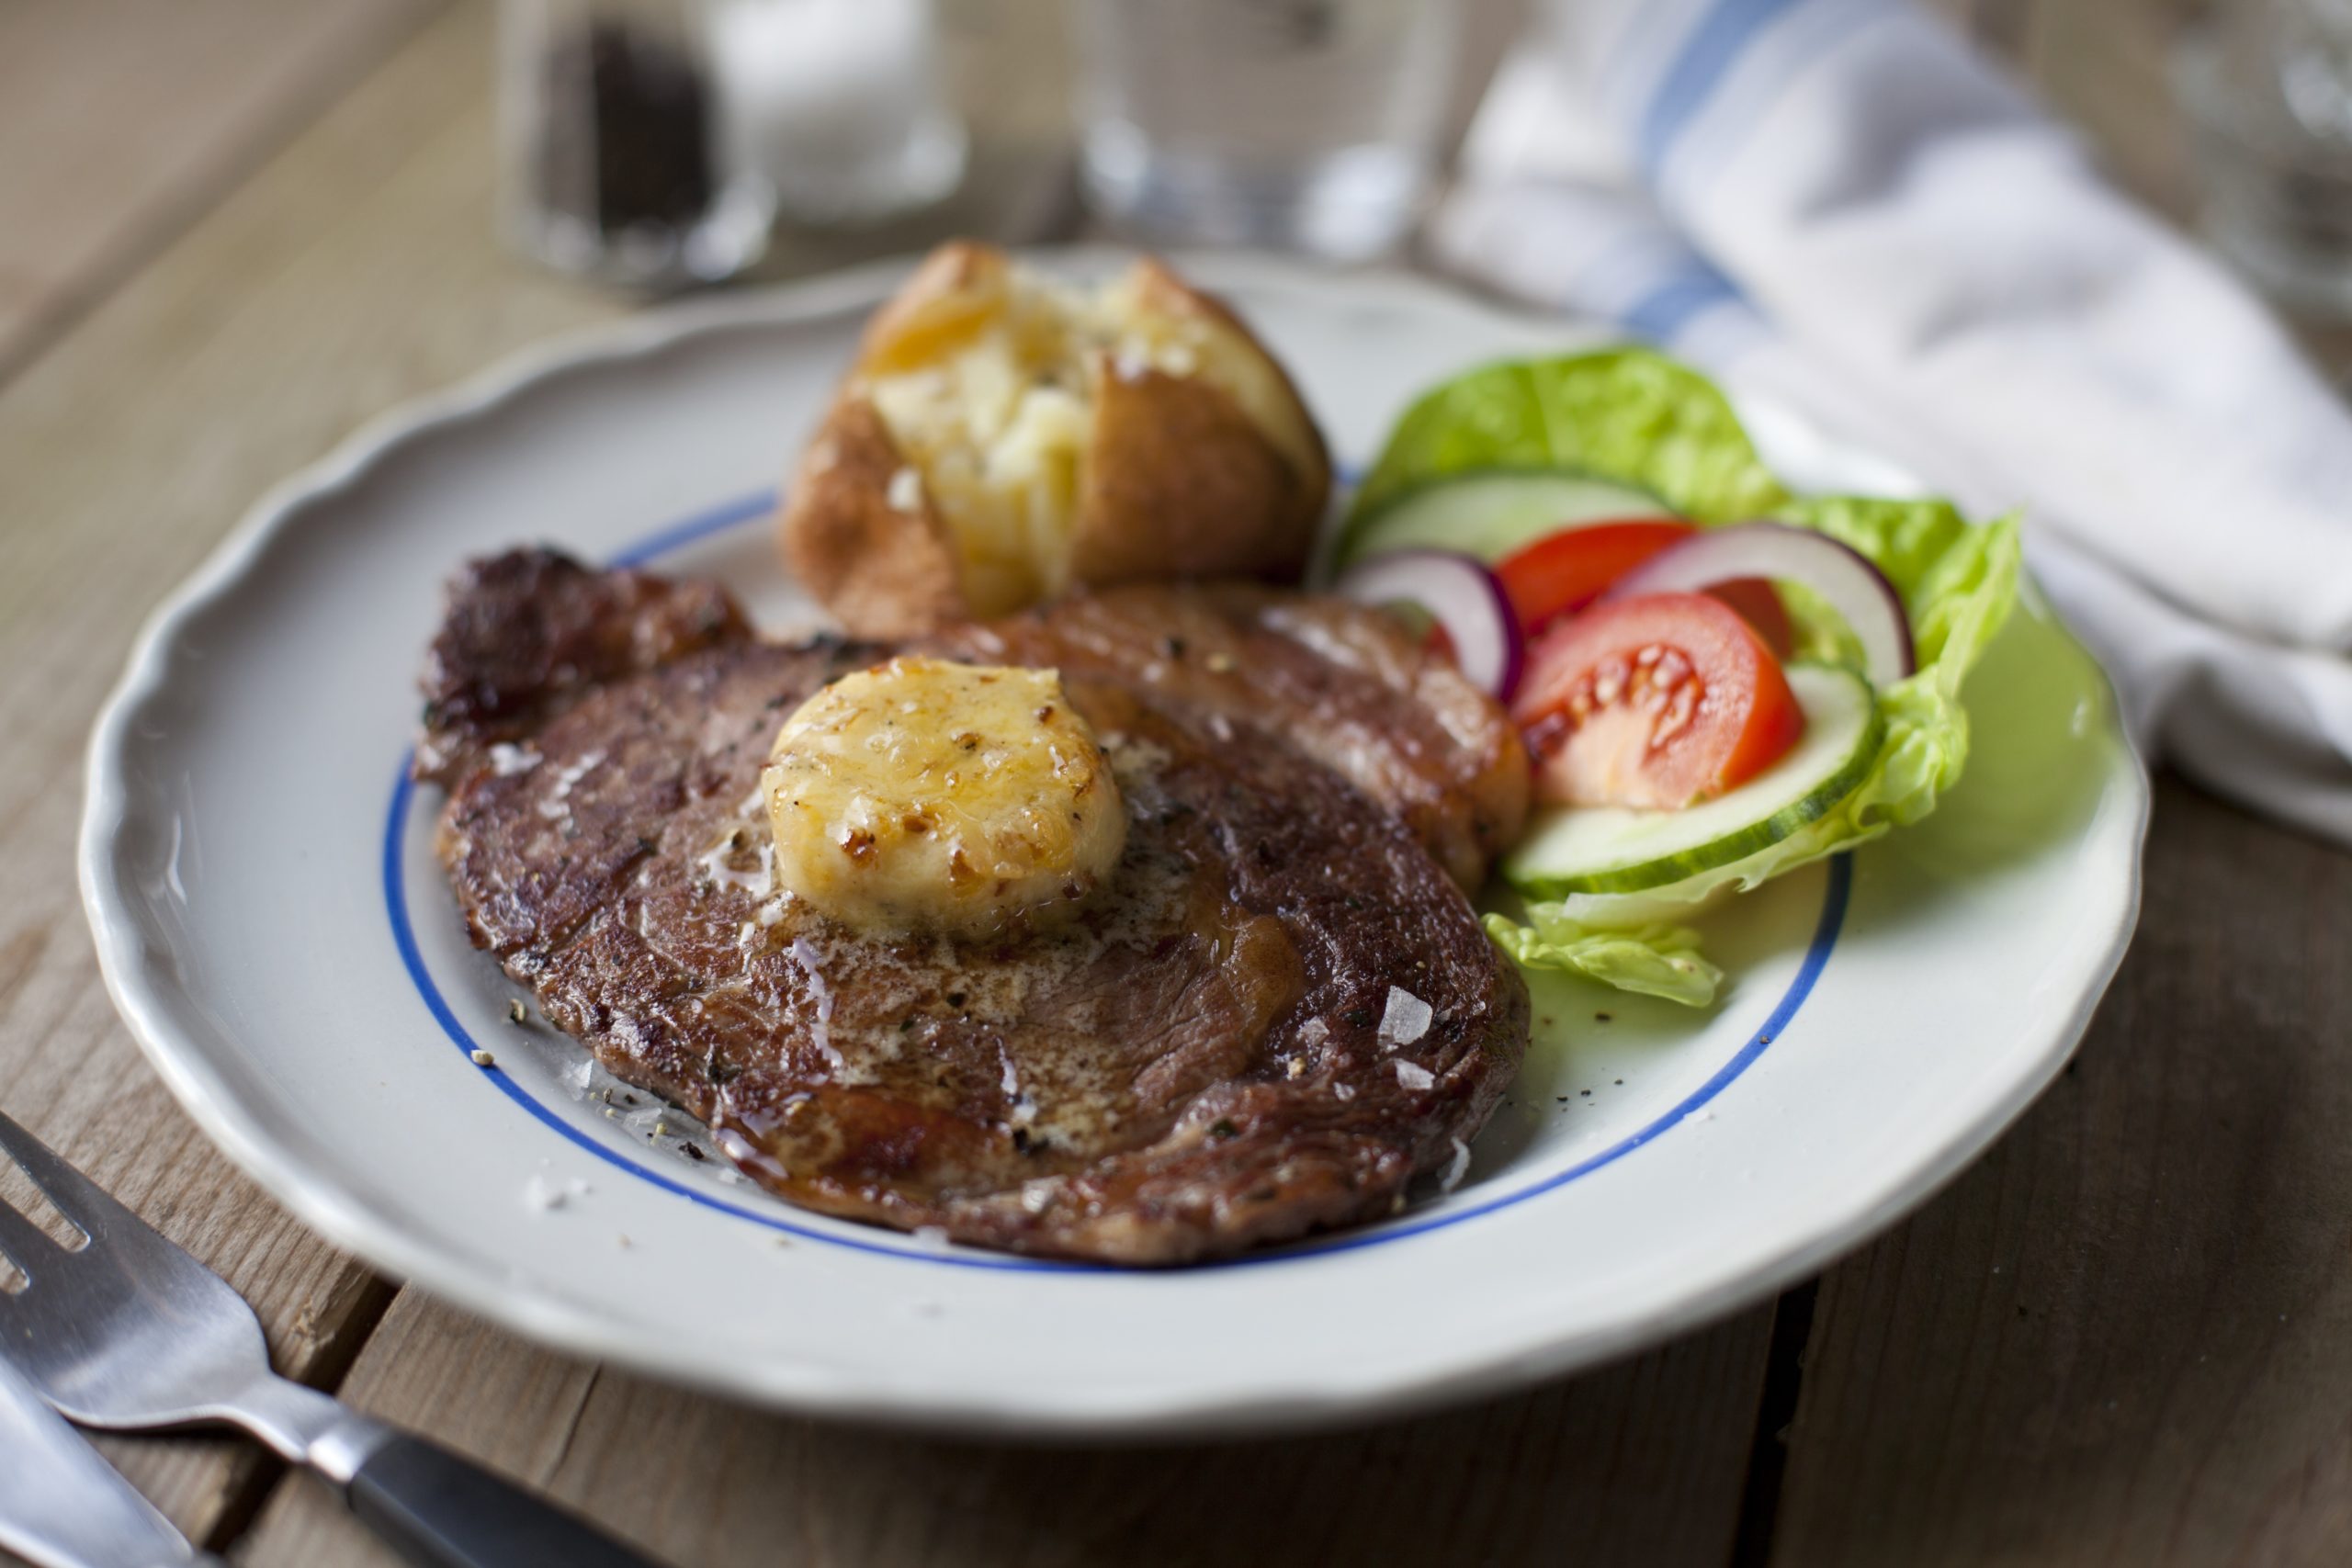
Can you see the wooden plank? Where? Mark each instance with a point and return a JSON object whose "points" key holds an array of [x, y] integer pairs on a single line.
{"points": [[125, 451], [2126, 1336], [2121, 1338], [122, 119], [1638, 1464], [2106, 66]]}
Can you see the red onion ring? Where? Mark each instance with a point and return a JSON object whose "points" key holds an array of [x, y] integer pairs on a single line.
{"points": [[1465, 598], [1847, 580]]}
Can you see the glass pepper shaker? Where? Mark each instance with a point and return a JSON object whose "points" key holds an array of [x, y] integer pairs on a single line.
{"points": [[615, 166]]}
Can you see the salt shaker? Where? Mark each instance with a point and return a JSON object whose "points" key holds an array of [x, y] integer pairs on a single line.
{"points": [[617, 165], [839, 106]]}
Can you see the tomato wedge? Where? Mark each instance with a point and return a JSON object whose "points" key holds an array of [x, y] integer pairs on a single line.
{"points": [[1658, 701], [1563, 572]]}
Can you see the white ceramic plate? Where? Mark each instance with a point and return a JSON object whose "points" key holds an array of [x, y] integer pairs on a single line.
{"points": [[274, 930]]}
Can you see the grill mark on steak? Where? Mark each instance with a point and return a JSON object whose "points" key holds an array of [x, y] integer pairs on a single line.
{"points": [[1190, 1068]]}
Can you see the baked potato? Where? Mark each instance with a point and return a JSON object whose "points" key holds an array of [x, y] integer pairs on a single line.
{"points": [[1003, 435]]}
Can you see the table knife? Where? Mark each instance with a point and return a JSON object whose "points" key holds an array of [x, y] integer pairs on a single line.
{"points": [[63, 1505]]}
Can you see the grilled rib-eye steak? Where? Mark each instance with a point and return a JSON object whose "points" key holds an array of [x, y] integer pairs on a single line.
{"points": [[1278, 1012]]}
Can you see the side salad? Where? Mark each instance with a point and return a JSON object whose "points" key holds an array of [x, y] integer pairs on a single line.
{"points": [[1718, 682]]}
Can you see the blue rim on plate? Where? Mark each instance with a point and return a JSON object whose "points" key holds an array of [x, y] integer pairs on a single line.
{"points": [[735, 513]]}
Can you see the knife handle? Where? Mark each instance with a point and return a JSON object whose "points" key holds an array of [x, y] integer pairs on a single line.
{"points": [[441, 1511]]}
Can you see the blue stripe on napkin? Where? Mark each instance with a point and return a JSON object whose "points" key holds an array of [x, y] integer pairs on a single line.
{"points": [[1662, 313], [1714, 44]]}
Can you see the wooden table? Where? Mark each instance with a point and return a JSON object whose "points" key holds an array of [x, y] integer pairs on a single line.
{"points": [[2125, 1338]]}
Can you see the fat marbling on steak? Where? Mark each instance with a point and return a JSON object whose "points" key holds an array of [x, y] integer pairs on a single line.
{"points": [[1278, 1012]]}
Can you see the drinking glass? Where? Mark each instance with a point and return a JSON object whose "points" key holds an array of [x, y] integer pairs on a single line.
{"points": [[2268, 88], [1297, 124]]}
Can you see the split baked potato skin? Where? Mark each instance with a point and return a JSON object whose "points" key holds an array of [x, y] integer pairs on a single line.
{"points": [[882, 568], [1172, 445]]}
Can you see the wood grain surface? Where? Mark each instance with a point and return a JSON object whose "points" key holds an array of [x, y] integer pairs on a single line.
{"points": [[1642, 1463], [125, 119], [126, 448], [2125, 1338]]}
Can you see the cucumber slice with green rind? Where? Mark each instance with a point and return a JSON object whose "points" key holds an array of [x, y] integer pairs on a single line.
{"points": [[1612, 850], [1488, 513]]}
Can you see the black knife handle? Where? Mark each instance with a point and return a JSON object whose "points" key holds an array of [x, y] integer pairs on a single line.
{"points": [[441, 1511]]}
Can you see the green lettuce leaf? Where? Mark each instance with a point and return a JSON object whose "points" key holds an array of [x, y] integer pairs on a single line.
{"points": [[1654, 960], [1627, 414], [1635, 417]]}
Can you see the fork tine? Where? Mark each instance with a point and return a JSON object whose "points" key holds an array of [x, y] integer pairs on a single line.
{"points": [[22, 1242], [83, 1203]]}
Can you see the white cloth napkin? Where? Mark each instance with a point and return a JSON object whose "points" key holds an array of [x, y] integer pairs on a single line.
{"points": [[1836, 203]]}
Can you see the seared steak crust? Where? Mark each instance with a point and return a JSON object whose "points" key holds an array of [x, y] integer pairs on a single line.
{"points": [[529, 630], [1344, 687], [1196, 1065]]}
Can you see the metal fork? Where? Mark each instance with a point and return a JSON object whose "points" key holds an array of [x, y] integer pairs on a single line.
{"points": [[130, 1333]]}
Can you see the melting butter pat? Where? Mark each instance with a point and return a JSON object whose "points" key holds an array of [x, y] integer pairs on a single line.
{"points": [[931, 796]]}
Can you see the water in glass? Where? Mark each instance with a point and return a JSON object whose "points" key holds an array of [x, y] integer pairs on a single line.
{"points": [[1298, 124], [2267, 86]]}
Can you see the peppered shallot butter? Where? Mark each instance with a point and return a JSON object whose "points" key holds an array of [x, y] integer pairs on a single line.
{"points": [[928, 796]]}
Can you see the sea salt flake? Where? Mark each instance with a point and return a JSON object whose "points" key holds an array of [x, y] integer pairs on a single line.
{"points": [[1404, 1019], [1313, 1031], [506, 760], [1415, 1077], [905, 491], [545, 1196], [557, 805]]}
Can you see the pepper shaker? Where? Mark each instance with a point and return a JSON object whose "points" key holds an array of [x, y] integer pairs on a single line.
{"points": [[616, 165]]}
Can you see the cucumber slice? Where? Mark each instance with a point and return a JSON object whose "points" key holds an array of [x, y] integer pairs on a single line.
{"points": [[1612, 850], [1488, 513]]}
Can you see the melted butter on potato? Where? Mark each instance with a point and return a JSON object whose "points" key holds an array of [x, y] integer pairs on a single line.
{"points": [[929, 795], [990, 391]]}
